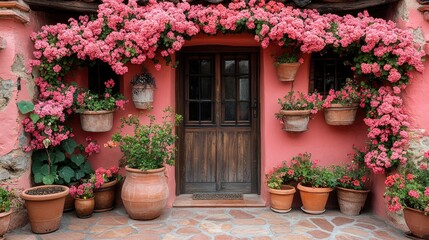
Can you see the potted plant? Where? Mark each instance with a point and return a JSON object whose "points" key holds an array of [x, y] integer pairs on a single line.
{"points": [[409, 190], [143, 87], [5, 210], [105, 181], [287, 65], [84, 199], [280, 192], [295, 111], [96, 112], [315, 183], [145, 190], [352, 185], [340, 107]]}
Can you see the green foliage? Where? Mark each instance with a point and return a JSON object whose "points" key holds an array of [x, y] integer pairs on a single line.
{"points": [[151, 145], [354, 175], [5, 200], [290, 56], [145, 79], [25, 107], [62, 164], [311, 175], [279, 175]]}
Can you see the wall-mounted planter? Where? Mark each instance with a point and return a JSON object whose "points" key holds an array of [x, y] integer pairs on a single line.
{"points": [[295, 120], [143, 96], [286, 72], [339, 115], [96, 121]]}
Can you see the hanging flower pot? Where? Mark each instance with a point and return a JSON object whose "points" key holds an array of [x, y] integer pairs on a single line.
{"points": [[338, 114], [143, 96], [286, 72], [295, 120], [84, 207], [96, 121], [281, 199], [417, 222], [313, 199], [105, 196], [351, 201]]}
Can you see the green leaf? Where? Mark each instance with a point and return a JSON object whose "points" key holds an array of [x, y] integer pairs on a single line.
{"points": [[44, 170], [87, 168], [34, 117], [78, 159], [79, 174], [39, 156], [25, 107], [58, 157], [38, 177], [49, 179], [69, 145], [66, 173]]}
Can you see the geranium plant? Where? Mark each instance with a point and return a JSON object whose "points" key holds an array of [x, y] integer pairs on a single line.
{"points": [[354, 175], [82, 191], [102, 176], [88, 101], [301, 101], [409, 188], [5, 200], [290, 56], [310, 174], [279, 175], [347, 95]]}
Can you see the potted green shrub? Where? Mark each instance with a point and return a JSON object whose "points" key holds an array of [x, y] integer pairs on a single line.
{"points": [[146, 151], [143, 87], [281, 193], [315, 183], [287, 65], [5, 210]]}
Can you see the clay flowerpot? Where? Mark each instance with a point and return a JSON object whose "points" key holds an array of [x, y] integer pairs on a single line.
{"points": [[96, 121], [144, 193], [351, 201], [69, 203], [4, 222], [338, 114], [417, 222], [143, 96], [295, 120], [281, 199], [45, 206], [105, 196], [313, 199], [84, 207], [286, 72]]}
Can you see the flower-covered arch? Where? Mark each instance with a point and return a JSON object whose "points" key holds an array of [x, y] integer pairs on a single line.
{"points": [[383, 55]]}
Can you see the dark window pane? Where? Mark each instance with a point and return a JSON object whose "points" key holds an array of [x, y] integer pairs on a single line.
{"points": [[194, 88], [205, 67], [229, 67], [230, 88], [99, 73], [194, 66], [244, 111], [244, 89], [230, 111], [206, 88], [206, 111], [243, 66], [194, 111]]}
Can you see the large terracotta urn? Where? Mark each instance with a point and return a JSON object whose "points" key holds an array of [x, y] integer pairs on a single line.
{"points": [[105, 196], [281, 199], [417, 222], [351, 201], [144, 193], [313, 199], [96, 121], [45, 206], [295, 120]]}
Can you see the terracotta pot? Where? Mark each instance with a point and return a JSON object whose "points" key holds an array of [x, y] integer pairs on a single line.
{"points": [[45, 211], [84, 207], [4, 222], [143, 96], [417, 222], [69, 203], [337, 114], [105, 196], [144, 193], [286, 72], [96, 121], [351, 201], [313, 199], [281, 199], [295, 120]]}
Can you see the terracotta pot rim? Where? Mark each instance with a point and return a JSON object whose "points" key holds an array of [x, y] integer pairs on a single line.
{"points": [[81, 199], [89, 112], [4, 214], [135, 170], [288, 64], [28, 197], [413, 210], [294, 112], [339, 105], [353, 190], [290, 190], [313, 189], [108, 184]]}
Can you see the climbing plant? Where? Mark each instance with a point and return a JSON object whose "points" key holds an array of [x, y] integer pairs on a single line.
{"points": [[128, 33]]}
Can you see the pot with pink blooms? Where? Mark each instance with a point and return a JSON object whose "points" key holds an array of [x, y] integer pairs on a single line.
{"points": [[84, 199], [105, 181]]}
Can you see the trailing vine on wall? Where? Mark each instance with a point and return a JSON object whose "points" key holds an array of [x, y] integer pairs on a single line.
{"points": [[127, 33]]}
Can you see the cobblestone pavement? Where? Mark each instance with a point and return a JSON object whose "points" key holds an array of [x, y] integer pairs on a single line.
{"points": [[219, 224]]}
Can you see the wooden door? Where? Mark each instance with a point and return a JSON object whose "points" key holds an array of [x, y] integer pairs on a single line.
{"points": [[218, 147]]}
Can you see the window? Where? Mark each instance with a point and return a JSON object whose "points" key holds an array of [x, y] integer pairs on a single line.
{"points": [[328, 71], [98, 73]]}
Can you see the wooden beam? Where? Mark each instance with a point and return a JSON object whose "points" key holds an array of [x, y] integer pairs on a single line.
{"points": [[64, 6]]}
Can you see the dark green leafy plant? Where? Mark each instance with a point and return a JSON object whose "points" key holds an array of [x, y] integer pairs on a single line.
{"points": [[279, 175], [151, 145], [354, 175], [290, 56], [144, 79], [310, 175], [5, 200]]}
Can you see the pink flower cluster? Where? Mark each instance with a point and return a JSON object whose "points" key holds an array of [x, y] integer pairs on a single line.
{"points": [[83, 191], [92, 147], [348, 94], [103, 175]]}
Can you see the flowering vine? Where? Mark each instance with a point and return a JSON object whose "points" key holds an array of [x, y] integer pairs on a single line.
{"points": [[128, 33]]}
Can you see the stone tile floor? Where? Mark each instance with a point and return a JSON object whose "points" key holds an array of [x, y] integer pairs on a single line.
{"points": [[218, 224]]}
